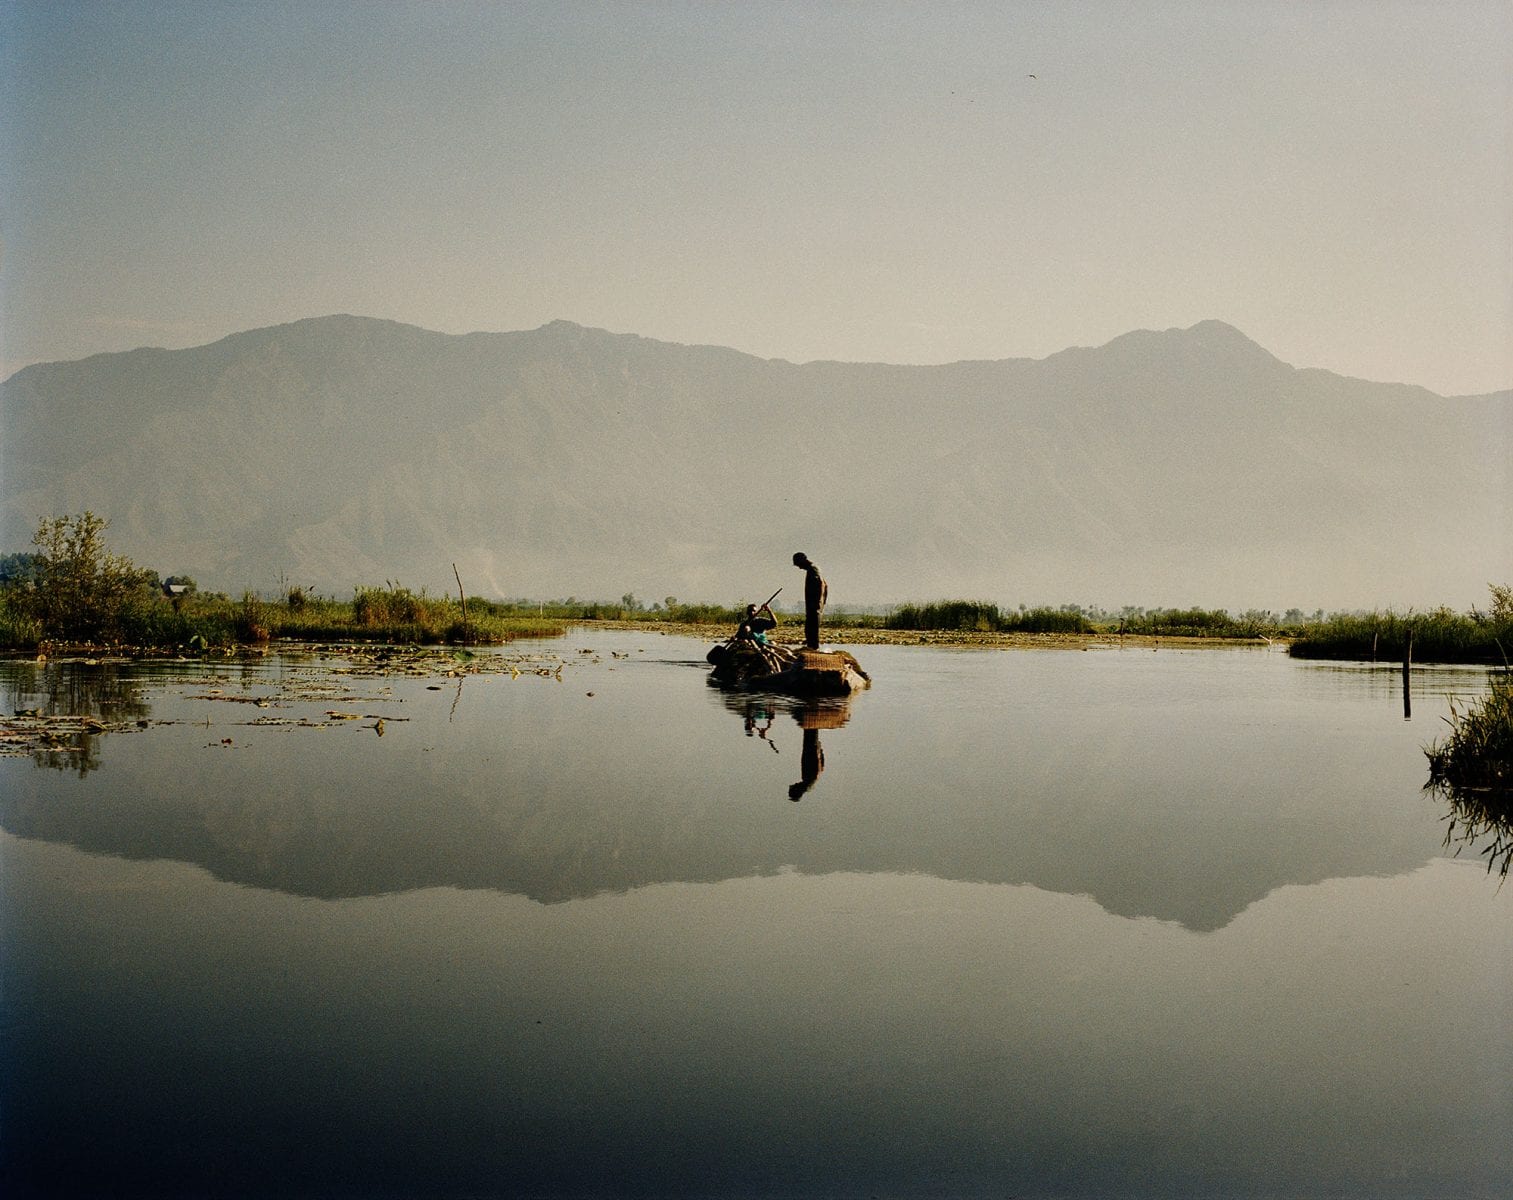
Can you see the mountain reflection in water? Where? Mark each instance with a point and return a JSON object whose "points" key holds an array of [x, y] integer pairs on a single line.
{"points": [[1182, 787]]}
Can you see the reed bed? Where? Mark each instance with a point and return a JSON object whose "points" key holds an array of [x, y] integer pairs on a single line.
{"points": [[199, 622], [1438, 636], [1473, 769], [1201, 622], [980, 616]]}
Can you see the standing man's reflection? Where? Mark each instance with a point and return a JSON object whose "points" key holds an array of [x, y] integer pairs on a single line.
{"points": [[811, 763], [813, 717]]}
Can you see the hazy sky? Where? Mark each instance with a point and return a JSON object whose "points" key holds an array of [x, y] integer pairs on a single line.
{"points": [[917, 182]]}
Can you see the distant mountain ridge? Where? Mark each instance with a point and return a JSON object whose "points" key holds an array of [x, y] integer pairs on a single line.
{"points": [[1186, 466]]}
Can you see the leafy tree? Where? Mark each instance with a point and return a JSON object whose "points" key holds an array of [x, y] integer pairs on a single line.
{"points": [[82, 591], [1502, 602]]}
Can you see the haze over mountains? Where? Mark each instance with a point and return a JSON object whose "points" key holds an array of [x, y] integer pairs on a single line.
{"points": [[1181, 467]]}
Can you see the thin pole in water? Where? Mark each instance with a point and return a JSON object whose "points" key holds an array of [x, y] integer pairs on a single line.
{"points": [[1407, 667], [466, 639]]}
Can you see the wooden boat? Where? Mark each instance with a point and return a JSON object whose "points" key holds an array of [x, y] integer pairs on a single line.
{"points": [[745, 665]]}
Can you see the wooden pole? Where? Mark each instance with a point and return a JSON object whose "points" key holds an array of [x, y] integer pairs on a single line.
{"points": [[1407, 667], [466, 633]]}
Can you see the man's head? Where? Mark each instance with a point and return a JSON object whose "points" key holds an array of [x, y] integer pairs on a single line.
{"points": [[801, 561], [751, 610]]}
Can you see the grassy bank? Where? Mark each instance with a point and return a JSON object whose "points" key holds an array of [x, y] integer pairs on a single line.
{"points": [[200, 622]]}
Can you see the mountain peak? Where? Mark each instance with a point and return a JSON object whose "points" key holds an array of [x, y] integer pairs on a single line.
{"points": [[1218, 333], [1206, 339]]}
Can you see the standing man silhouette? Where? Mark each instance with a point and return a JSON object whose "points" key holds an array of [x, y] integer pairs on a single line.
{"points": [[816, 592]]}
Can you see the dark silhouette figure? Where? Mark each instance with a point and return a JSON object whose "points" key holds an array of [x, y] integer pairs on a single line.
{"points": [[811, 763], [816, 592]]}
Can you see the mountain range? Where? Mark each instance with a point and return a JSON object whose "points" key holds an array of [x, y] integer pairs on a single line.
{"points": [[1177, 467]]}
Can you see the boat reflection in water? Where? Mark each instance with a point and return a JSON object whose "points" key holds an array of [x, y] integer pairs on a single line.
{"points": [[758, 710]]}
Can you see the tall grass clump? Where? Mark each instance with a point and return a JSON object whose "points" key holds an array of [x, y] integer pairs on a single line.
{"points": [[397, 614], [1479, 750], [1191, 622], [1473, 769], [1047, 620], [979, 616], [976, 616]]}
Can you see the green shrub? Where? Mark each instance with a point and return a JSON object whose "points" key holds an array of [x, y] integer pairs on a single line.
{"points": [[80, 591]]}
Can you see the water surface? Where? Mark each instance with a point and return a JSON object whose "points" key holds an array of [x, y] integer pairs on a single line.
{"points": [[1024, 923]]}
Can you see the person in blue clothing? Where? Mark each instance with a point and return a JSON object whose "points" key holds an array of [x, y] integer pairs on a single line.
{"points": [[754, 626]]}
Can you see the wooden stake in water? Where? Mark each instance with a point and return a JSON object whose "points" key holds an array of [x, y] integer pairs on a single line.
{"points": [[1407, 668], [466, 637]]}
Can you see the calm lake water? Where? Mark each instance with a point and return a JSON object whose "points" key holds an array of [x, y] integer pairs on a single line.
{"points": [[1035, 924]]}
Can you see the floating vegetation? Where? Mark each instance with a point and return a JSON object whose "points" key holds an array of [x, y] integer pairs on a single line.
{"points": [[67, 741], [61, 706]]}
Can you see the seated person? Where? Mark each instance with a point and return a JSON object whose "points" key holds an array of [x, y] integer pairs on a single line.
{"points": [[754, 626]]}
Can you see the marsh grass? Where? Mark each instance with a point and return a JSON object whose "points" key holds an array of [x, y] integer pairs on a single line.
{"points": [[1203, 622], [1473, 770], [1438, 636], [202, 621], [980, 616], [18, 627]]}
